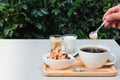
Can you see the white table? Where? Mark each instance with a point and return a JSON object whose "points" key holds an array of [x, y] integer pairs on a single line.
{"points": [[21, 59]]}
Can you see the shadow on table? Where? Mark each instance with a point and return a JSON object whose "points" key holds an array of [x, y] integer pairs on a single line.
{"points": [[118, 40]]}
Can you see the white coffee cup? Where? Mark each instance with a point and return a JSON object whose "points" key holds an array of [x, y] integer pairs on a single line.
{"points": [[70, 43], [97, 59]]}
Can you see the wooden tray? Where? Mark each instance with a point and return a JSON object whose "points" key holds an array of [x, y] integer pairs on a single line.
{"points": [[104, 71]]}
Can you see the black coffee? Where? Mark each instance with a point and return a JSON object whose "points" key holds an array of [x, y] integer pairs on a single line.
{"points": [[94, 50]]}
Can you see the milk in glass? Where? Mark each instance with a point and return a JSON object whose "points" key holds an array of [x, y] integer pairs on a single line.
{"points": [[70, 43]]}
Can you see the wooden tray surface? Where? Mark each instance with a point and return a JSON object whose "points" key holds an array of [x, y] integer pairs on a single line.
{"points": [[104, 71]]}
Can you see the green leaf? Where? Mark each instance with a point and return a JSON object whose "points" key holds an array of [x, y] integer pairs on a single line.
{"points": [[44, 28], [45, 1], [70, 1], [65, 19], [39, 13], [22, 13], [56, 11], [11, 33], [60, 26], [39, 26], [75, 13], [14, 26], [27, 19], [2, 8], [1, 23], [103, 35], [52, 2], [11, 9], [20, 25], [3, 4], [34, 12], [6, 19], [78, 1], [25, 6], [44, 11], [6, 31], [69, 13]]}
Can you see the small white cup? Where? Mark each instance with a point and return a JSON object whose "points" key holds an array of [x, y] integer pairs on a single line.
{"points": [[70, 43], [96, 60]]}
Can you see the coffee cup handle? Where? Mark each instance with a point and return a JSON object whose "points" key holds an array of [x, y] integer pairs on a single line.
{"points": [[112, 62]]}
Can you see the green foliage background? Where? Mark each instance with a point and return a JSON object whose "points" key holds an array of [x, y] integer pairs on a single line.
{"points": [[38, 19]]}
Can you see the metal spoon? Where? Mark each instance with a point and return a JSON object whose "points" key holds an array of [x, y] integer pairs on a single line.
{"points": [[77, 69], [93, 34], [87, 70]]}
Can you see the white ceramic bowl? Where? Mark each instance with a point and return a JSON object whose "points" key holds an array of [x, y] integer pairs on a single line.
{"points": [[58, 64]]}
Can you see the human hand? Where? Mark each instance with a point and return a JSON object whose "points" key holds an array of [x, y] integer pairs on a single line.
{"points": [[113, 17]]}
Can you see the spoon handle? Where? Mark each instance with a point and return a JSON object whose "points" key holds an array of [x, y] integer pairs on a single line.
{"points": [[87, 70], [95, 71], [101, 25]]}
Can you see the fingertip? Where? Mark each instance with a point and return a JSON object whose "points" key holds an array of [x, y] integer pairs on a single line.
{"points": [[114, 25], [118, 26], [107, 24], [107, 18], [103, 19]]}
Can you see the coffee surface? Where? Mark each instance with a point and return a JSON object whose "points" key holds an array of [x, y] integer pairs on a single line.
{"points": [[94, 50]]}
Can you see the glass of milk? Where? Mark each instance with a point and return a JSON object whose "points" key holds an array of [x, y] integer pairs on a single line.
{"points": [[70, 43]]}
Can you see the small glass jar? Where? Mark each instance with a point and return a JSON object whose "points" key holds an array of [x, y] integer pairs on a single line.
{"points": [[56, 41]]}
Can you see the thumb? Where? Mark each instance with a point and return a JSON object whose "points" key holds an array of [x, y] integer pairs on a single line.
{"points": [[113, 16]]}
